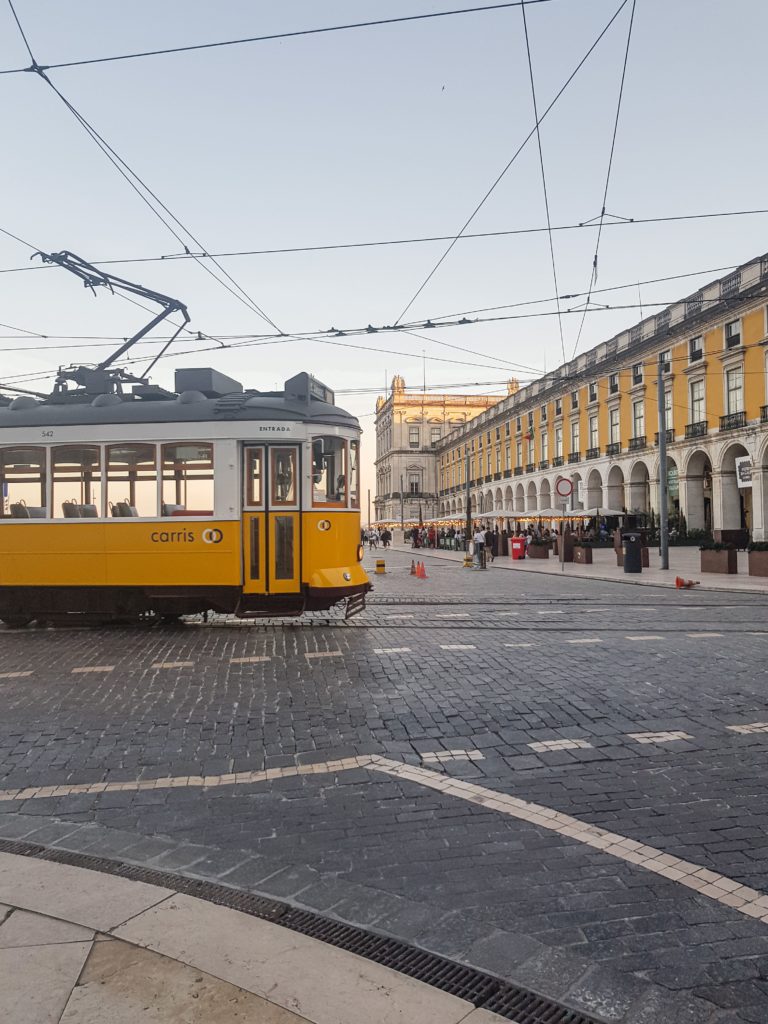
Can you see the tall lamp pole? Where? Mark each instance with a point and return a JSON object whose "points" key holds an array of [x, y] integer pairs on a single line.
{"points": [[402, 512], [663, 479], [468, 531], [369, 508]]}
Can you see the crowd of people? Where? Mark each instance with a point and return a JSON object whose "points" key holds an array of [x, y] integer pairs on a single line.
{"points": [[373, 537]]}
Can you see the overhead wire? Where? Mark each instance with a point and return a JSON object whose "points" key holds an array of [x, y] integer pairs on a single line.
{"points": [[543, 177], [273, 36], [601, 219], [509, 163]]}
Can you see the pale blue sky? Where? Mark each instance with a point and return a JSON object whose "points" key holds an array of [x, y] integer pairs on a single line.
{"points": [[377, 133]]}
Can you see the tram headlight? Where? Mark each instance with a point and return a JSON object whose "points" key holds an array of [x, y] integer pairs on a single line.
{"points": [[360, 552], [348, 576]]}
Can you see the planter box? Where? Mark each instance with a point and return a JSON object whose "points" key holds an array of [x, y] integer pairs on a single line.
{"points": [[719, 561], [758, 563], [645, 559], [538, 551], [582, 556]]}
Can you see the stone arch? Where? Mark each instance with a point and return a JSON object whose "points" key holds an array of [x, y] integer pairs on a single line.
{"points": [[520, 498], [531, 498], [545, 494], [498, 501], [697, 490], [733, 503], [639, 480], [614, 491], [593, 497], [577, 502], [509, 501]]}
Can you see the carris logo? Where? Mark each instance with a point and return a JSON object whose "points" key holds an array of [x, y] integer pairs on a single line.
{"points": [[213, 536]]}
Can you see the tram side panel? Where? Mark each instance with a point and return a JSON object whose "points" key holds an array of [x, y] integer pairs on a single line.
{"points": [[331, 568]]}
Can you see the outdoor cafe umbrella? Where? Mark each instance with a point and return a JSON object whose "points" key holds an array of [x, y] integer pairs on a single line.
{"points": [[595, 513]]}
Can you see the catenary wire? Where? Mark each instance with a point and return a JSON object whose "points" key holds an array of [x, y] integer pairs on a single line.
{"points": [[543, 177], [601, 220], [170, 257], [274, 36], [514, 157]]}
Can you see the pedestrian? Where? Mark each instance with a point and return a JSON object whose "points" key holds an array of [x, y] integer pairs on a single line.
{"points": [[489, 544], [479, 540]]}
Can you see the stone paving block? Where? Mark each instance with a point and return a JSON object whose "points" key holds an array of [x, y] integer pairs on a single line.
{"points": [[501, 952], [607, 994]]}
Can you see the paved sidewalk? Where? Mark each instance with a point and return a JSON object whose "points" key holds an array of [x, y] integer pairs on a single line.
{"points": [[683, 561], [81, 947]]}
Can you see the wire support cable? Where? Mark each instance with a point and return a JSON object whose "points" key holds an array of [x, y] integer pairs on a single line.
{"points": [[543, 177], [268, 38], [510, 162], [601, 219]]}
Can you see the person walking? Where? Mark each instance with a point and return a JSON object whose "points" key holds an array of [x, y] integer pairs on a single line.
{"points": [[479, 540], [489, 544]]}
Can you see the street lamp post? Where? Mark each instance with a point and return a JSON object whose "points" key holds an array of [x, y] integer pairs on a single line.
{"points": [[468, 530], [663, 478]]}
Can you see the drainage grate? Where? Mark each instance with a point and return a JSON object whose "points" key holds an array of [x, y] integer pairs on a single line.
{"points": [[480, 989]]}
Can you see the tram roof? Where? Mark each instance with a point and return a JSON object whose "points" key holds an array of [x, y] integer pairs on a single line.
{"points": [[201, 396]]}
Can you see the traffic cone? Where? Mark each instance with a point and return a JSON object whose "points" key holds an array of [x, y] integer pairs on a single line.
{"points": [[681, 584], [423, 573], [413, 571]]}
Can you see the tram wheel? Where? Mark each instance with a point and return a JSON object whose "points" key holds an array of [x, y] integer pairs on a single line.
{"points": [[16, 621]]}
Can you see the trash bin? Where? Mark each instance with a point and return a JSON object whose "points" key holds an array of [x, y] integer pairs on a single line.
{"points": [[518, 547], [632, 549]]}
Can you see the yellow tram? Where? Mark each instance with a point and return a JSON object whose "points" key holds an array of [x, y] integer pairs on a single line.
{"points": [[211, 497]]}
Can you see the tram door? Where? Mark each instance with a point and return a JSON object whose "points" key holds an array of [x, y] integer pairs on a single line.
{"points": [[271, 523]]}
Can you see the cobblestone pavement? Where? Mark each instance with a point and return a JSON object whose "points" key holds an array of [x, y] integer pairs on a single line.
{"points": [[639, 711]]}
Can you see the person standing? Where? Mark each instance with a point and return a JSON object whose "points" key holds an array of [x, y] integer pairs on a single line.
{"points": [[479, 540]]}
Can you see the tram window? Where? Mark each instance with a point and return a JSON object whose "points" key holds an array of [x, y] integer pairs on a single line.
{"points": [[329, 471], [188, 479], [284, 548], [283, 476], [22, 483], [132, 480], [76, 472], [255, 477], [354, 474]]}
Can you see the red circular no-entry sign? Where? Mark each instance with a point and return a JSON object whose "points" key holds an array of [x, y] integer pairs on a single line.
{"points": [[563, 487]]}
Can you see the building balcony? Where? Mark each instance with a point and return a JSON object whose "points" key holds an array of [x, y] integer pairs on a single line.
{"points": [[764, 413], [696, 429], [544, 464], [593, 453], [614, 448], [733, 420], [518, 471], [636, 444], [507, 474], [573, 458], [557, 461], [487, 478], [530, 467], [497, 476], [670, 433]]}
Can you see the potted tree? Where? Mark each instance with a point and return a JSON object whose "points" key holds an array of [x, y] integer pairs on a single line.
{"points": [[718, 557], [538, 548], [582, 552], [758, 558]]}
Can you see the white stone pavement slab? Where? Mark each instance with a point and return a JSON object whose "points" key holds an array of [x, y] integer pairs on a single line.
{"points": [[25, 929], [36, 981]]}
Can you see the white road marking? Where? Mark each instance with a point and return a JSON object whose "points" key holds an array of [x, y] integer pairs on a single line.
{"points": [[441, 756], [659, 737], [395, 615], [549, 613], [720, 888], [457, 647], [246, 661], [323, 654], [94, 668], [645, 636], [746, 729], [173, 664], [695, 636], [452, 615], [586, 640], [391, 650], [507, 613], [518, 645], [14, 675], [544, 745]]}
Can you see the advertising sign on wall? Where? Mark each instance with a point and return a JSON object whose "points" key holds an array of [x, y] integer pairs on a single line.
{"points": [[744, 471]]}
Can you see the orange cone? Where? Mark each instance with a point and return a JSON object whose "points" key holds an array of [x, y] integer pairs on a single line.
{"points": [[423, 573], [413, 568], [681, 584]]}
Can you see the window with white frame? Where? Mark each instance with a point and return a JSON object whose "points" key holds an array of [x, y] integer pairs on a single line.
{"points": [[544, 446], [637, 373], [508, 457], [695, 349], [593, 435], [435, 436], [613, 425], [488, 464], [668, 417], [543, 412], [531, 451], [558, 442], [665, 358], [593, 391], [519, 453], [498, 460], [733, 335], [414, 483], [575, 436], [638, 419], [734, 390], [413, 437], [696, 391]]}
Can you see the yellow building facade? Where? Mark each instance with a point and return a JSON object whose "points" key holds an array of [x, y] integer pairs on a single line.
{"points": [[595, 421]]}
